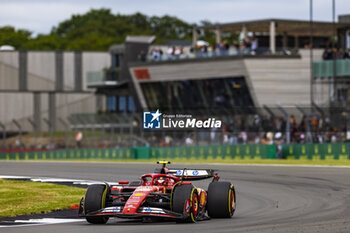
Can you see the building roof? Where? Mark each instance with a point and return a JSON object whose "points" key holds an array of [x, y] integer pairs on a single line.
{"points": [[140, 39], [119, 48], [291, 27]]}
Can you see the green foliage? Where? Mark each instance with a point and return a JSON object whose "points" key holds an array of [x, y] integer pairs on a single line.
{"points": [[44, 42], [170, 28], [16, 38], [208, 36], [98, 29]]}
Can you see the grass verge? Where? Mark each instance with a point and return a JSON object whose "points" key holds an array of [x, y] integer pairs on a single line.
{"points": [[26, 197]]}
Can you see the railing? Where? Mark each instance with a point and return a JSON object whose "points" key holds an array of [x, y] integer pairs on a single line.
{"points": [[102, 77], [325, 68], [222, 53]]}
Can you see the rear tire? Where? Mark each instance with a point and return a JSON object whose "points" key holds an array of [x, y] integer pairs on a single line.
{"points": [[95, 199], [184, 197], [221, 200]]}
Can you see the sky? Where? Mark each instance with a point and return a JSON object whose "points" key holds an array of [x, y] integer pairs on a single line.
{"points": [[39, 16]]}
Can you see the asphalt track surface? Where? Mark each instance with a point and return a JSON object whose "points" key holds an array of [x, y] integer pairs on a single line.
{"points": [[269, 198]]}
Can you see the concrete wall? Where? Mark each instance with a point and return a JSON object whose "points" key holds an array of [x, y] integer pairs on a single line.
{"points": [[282, 81], [68, 70], [41, 75], [94, 61], [8, 70]]}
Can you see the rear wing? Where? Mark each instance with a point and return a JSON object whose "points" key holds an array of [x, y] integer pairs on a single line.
{"points": [[193, 174]]}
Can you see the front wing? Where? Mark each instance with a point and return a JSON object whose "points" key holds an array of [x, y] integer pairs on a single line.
{"points": [[151, 212], [117, 211]]}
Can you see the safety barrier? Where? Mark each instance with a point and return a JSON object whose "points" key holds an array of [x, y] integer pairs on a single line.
{"points": [[326, 151], [216, 152], [183, 152], [71, 154]]}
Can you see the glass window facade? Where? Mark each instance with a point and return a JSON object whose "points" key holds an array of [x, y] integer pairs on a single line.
{"points": [[111, 103], [213, 93], [120, 104]]}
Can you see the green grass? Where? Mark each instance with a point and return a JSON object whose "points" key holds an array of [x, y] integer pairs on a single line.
{"points": [[26, 197]]}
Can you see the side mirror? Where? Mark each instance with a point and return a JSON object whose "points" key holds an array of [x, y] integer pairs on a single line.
{"points": [[123, 182]]}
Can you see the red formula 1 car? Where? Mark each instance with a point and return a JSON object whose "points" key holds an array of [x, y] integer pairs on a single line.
{"points": [[165, 193]]}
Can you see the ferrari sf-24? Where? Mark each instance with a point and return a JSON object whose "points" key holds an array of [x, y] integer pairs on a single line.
{"points": [[164, 194]]}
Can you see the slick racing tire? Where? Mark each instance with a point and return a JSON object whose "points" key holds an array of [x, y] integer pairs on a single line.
{"points": [[185, 201], [95, 199], [221, 200]]}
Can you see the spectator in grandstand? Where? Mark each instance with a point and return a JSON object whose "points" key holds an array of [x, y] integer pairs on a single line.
{"points": [[244, 137], [220, 48], [347, 54], [301, 137], [225, 48], [247, 44], [333, 138], [189, 141], [340, 54], [19, 144], [327, 54], [315, 123], [278, 124], [178, 52], [226, 45], [257, 139], [142, 56], [171, 52], [254, 46], [302, 125], [51, 146], [268, 138], [279, 142], [156, 54], [236, 46], [212, 49], [204, 50], [168, 140], [292, 125]]}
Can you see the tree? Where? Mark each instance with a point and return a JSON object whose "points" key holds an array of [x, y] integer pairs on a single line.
{"points": [[99, 29], [44, 42], [170, 28], [16, 38]]}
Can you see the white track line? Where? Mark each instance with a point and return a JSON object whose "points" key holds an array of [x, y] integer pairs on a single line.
{"points": [[55, 180], [43, 221]]}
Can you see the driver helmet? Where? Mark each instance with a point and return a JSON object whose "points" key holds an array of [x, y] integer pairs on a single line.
{"points": [[161, 181]]}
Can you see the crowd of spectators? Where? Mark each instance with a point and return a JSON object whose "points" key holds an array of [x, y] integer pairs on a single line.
{"points": [[330, 54], [261, 130], [267, 130], [203, 49], [242, 129], [246, 46]]}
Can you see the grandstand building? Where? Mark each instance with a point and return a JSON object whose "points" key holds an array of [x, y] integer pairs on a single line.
{"points": [[46, 87], [278, 72]]}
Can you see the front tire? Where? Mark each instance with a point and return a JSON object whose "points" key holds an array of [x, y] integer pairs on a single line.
{"points": [[95, 199], [221, 200], [185, 201]]}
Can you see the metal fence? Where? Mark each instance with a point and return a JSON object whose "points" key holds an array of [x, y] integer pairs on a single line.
{"points": [[267, 125]]}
